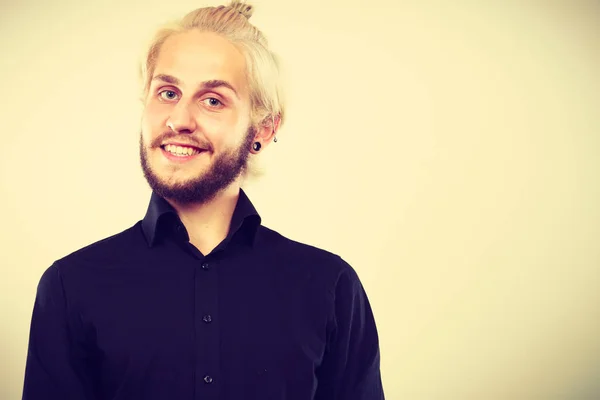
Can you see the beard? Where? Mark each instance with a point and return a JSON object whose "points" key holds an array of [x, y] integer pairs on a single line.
{"points": [[225, 168]]}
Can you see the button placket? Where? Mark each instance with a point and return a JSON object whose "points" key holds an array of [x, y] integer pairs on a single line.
{"points": [[206, 318], [207, 327]]}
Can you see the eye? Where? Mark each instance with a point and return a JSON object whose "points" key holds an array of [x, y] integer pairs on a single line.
{"points": [[168, 95], [212, 102]]}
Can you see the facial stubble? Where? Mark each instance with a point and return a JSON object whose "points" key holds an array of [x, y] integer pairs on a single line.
{"points": [[224, 169]]}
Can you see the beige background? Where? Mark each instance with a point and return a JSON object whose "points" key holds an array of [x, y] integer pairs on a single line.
{"points": [[448, 151]]}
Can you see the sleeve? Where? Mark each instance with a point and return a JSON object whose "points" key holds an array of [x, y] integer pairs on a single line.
{"points": [[351, 366], [55, 366]]}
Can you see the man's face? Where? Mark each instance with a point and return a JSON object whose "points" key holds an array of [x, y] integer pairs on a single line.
{"points": [[196, 134]]}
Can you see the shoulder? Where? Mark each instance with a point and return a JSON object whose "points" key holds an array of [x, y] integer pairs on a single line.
{"points": [[103, 251], [305, 256], [73, 269]]}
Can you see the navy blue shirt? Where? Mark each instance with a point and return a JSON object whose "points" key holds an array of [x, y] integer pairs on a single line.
{"points": [[145, 315]]}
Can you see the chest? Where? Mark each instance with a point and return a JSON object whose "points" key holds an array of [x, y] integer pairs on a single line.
{"points": [[253, 328]]}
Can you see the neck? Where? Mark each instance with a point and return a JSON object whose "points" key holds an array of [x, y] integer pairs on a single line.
{"points": [[208, 223]]}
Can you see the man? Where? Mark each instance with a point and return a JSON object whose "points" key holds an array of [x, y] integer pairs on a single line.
{"points": [[198, 300]]}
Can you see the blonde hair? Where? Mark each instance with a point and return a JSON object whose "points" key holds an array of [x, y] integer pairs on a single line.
{"points": [[231, 21]]}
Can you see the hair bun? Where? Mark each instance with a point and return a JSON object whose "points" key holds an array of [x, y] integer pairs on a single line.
{"points": [[245, 9]]}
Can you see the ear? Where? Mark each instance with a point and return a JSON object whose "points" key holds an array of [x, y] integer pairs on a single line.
{"points": [[267, 130]]}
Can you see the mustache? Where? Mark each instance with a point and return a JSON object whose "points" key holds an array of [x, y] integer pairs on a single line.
{"points": [[183, 139]]}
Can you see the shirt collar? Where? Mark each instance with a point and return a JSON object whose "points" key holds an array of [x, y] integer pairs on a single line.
{"points": [[245, 218]]}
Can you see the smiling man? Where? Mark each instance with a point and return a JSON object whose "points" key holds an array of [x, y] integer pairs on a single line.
{"points": [[199, 300]]}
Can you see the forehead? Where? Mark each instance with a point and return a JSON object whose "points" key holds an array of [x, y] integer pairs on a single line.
{"points": [[194, 57]]}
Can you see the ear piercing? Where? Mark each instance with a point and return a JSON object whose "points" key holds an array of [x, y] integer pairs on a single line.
{"points": [[256, 146]]}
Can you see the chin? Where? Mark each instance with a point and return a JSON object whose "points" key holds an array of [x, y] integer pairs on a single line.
{"points": [[178, 180]]}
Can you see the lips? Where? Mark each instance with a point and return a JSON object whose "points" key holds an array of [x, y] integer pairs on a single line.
{"points": [[181, 150]]}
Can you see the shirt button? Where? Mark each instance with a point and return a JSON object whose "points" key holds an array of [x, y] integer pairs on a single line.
{"points": [[205, 266], [208, 379], [207, 319]]}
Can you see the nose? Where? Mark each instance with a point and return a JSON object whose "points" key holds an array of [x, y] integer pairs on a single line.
{"points": [[182, 118]]}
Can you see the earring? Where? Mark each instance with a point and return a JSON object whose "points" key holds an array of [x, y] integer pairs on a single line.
{"points": [[273, 126], [256, 146]]}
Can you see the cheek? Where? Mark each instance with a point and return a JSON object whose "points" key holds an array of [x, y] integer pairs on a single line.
{"points": [[153, 123], [235, 129]]}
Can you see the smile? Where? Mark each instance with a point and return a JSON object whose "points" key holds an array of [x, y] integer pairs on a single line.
{"points": [[180, 151]]}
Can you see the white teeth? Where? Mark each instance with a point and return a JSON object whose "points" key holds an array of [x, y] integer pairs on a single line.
{"points": [[181, 151]]}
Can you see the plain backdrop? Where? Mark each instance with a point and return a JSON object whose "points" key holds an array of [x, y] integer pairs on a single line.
{"points": [[448, 150]]}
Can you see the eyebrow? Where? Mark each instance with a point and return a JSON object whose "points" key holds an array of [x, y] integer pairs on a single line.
{"points": [[210, 84]]}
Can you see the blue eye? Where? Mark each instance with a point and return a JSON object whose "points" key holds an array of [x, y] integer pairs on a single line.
{"points": [[168, 95], [213, 102]]}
